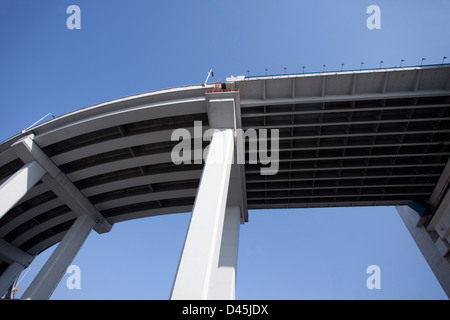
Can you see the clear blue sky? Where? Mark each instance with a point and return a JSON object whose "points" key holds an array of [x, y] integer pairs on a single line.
{"points": [[130, 47]]}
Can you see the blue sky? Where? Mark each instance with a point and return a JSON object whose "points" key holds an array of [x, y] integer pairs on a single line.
{"points": [[131, 47]]}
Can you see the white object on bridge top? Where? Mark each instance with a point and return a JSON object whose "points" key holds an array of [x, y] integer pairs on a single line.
{"points": [[233, 78]]}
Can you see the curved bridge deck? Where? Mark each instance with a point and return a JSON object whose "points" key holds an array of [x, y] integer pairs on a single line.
{"points": [[362, 138]]}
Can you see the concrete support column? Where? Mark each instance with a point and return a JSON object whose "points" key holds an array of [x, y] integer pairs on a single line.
{"points": [[429, 244], [197, 269], [29, 152], [225, 286], [13, 189], [45, 282]]}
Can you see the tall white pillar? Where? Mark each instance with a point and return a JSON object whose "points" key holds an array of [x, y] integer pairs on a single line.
{"points": [[14, 188], [197, 269], [45, 282], [225, 285], [429, 244]]}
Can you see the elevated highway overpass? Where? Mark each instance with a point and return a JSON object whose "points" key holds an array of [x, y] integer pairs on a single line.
{"points": [[354, 138]]}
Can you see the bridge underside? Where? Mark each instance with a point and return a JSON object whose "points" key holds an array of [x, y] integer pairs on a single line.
{"points": [[364, 138], [352, 153]]}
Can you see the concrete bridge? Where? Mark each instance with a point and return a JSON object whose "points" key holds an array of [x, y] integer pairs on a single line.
{"points": [[355, 138]]}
